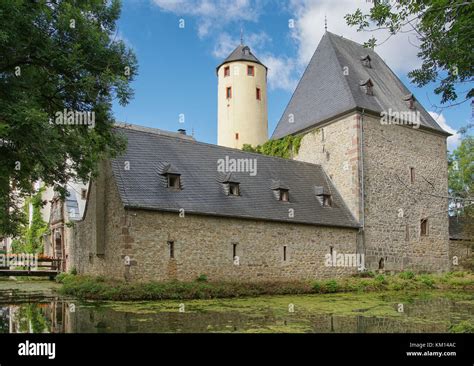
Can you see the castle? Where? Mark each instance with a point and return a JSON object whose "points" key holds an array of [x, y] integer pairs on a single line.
{"points": [[368, 182]]}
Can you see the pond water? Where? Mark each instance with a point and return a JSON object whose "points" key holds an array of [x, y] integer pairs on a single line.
{"points": [[35, 307]]}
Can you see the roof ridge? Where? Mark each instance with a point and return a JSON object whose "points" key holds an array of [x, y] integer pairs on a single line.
{"points": [[225, 148]]}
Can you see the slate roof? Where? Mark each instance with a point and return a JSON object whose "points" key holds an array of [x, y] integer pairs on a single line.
{"points": [[325, 92], [239, 55], [203, 189]]}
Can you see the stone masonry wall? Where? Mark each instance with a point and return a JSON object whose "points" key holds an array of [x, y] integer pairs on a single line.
{"points": [[394, 206], [203, 245]]}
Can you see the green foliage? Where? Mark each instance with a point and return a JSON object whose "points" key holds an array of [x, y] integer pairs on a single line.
{"points": [[285, 147], [57, 55], [407, 275], [445, 30], [464, 326], [30, 238], [202, 278]]}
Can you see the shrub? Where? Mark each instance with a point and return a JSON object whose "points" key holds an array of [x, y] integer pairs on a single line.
{"points": [[407, 275], [202, 278], [331, 286]]}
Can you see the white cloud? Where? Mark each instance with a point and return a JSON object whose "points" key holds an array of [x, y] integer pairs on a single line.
{"points": [[213, 14], [455, 139], [280, 72], [398, 52]]}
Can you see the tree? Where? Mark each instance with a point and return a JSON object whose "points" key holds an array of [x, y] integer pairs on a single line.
{"points": [[461, 176], [61, 67], [444, 29]]}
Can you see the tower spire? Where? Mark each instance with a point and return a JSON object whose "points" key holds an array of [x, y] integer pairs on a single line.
{"points": [[241, 36], [325, 23]]}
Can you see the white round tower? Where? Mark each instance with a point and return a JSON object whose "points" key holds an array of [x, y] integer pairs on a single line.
{"points": [[241, 100]]}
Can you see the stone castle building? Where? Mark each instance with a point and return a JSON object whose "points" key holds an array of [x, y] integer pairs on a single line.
{"points": [[368, 183]]}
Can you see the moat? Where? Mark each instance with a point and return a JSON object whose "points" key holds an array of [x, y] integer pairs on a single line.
{"points": [[35, 307]]}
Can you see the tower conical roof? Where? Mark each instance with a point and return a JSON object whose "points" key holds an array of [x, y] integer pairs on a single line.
{"points": [[241, 53]]}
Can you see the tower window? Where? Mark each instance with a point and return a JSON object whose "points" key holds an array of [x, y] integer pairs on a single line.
{"points": [[171, 248], [412, 175], [174, 181], [234, 250], [228, 92], [250, 71], [284, 252], [234, 189], [424, 227], [258, 94], [236, 135], [226, 71]]}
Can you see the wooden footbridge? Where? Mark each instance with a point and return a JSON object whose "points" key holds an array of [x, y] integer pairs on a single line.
{"points": [[46, 267]]}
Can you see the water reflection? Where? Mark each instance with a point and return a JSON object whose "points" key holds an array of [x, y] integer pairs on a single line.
{"points": [[49, 314]]}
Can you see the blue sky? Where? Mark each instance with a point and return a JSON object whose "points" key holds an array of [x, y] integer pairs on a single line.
{"points": [[177, 65]]}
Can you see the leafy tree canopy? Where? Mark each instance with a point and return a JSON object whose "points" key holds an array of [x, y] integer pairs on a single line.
{"points": [[57, 56]]}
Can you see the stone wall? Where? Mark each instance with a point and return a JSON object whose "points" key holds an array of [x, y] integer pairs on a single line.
{"points": [[460, 254], [392, 205], [202, 245]]}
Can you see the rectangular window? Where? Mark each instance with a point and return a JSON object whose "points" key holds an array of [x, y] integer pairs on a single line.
{"points": [[174, 181], [83, 193], [284, 252], [327, 201], [171, 248], [226, 71], [250, 71], [234, 189], [284, 195], [424, 227], [330, 250], [258, 94], [412, 175], [236, 135], [234, 250], [228, 92]]}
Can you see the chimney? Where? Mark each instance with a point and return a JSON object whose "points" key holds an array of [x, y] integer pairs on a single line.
{"points": [[182, 131]]}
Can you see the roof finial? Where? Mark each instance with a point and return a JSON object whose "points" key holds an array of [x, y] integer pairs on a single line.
{"points": [[325, 23], [241, 36]]}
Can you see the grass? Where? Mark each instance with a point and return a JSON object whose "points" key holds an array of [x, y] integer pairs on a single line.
{"points": [[100, 288]]}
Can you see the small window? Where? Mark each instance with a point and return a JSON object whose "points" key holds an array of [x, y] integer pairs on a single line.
{"points": [[424, 227], [234, 189], [250, 71], [366, 61], [412, 175], [368, 85], [284, 252], [284, 195], [236, 135], [322, 135], [226, 71], [407, 232], [83, 193], [327, 200], [174, 181], [259, 97], [171, 248], [234, 250], [228, 92], [330, 250]]}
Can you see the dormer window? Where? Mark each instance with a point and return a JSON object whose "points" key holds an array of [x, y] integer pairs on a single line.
{"points": [[284, 195], [410, 99], [323, 195], [246, 50], [234, 189], [368, 86], [174, 181], [366, 61]]}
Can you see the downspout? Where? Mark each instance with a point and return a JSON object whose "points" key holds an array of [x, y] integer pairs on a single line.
{"points": [[361, 248]]}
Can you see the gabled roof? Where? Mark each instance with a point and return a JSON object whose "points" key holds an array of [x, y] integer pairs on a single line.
{"points": [[325, 91], [197, 163], [241, 53]]}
